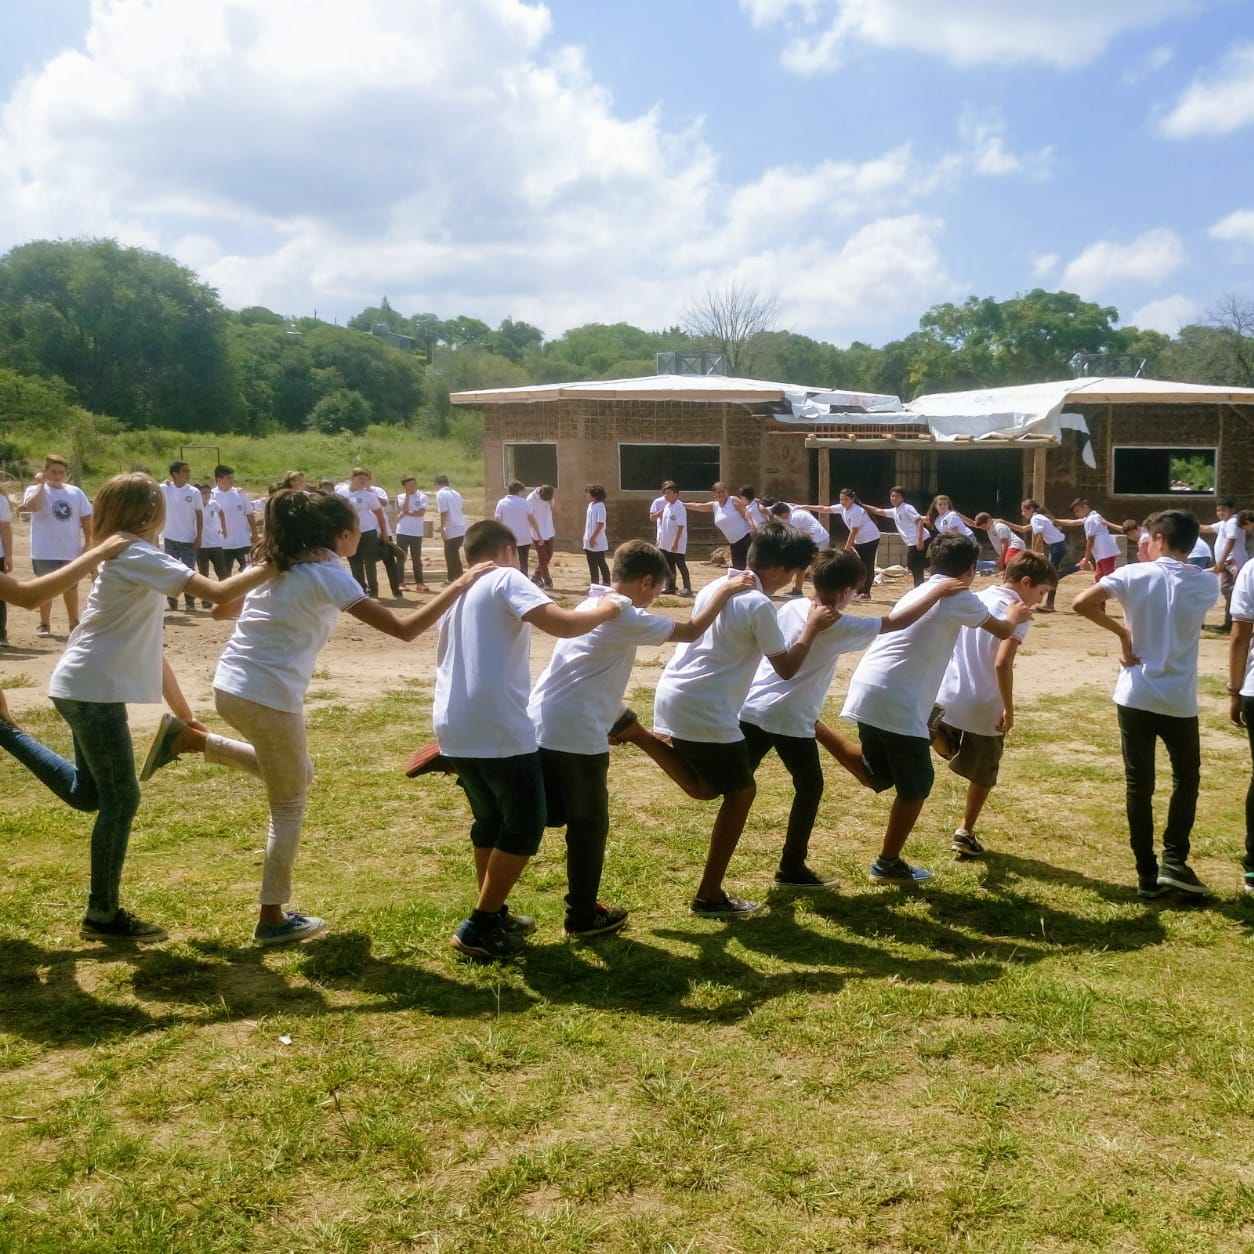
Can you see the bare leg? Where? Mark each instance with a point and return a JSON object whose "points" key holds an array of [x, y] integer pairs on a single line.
{"points": [[977, 795], [847, 752], [483, 854], [499, 877], [729, 823], [45, 613], [71, 605], [670, 761], [901, 820]]}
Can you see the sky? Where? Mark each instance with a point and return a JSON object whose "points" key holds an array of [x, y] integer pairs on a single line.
{"points": [[579, 161]]}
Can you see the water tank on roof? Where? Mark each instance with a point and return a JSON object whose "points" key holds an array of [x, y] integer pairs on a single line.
{"points": [[703, 361]]}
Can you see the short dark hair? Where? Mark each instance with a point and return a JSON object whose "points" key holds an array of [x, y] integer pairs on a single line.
{"points": [[487, 538], [669, 485], [1227, 502], [837, 569], [441, 481], [983, 519], [1080, 500], [634, 559], [595, 491], [220, 471], [175, 467], [1245, 517], [778, 544], [747, 491], [1034, 567], [898, 489], [514, 487], [953, 555], [1178, 528], [545, 491], [781, 509]]}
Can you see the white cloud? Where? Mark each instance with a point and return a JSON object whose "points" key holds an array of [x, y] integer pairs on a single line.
{"points": [[1216, 103], [1155, 60], [1236, 228], [1167, 315], [1044, 264], [1151, 257], [983, 134], [1061, 33]]}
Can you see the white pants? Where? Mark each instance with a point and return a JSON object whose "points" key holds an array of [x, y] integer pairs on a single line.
{"points": [[276, 752]]}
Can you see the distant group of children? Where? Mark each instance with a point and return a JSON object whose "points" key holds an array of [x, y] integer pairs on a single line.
{"points": [[747, 677]]}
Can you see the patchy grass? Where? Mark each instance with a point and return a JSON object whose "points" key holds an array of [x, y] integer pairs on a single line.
{"points": [[1019, 1057]]}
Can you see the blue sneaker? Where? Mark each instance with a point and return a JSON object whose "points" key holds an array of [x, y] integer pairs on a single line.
{"points": [[1248, 882], [897, 871], [519, 924], [487, 945], [295, 927]]}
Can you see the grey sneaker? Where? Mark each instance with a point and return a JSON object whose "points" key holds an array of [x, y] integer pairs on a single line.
{"points": [[43, 631], [161, 751], [728, 908], [897, 871], [489, 945], [803, 878], [1182, 878], [518, 924], [295, 927], [965, 845], [1148, 887]]}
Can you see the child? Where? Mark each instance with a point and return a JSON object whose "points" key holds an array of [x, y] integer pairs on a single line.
{"points": [[1006, 544], [577, 702], [780, 713], [1100, 550], [911, 527], [862, 535], [672, 539], [893, 689], [58, 511], [595, 543], [212, 539], [945, 520], [6, 558], [411, 517], [1164, 601], [799, 517], [541, 501], [450, 506], [975, 704], [1047, 538], [701, 692], [1241, 692], [514, 510], [114, 658], [265, 669], [482, 682]]}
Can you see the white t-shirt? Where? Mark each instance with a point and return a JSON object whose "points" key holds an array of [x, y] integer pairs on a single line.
{"points": [[364, 501], [407, 526], [656, 506], [114, 655], [6, 516], [808, 525], [674, 516], [385, 503], [1004, 541], [1231, 532], [514, 512], [181, 508], [542, 512], [950, 524], [273, 650], [595, 514], [213, 533], [1200, 549], [757, 515], [859, 522], [728, 519], [1104, 544], [449, 501], [483, 669], [236, 509], [701, 690], [906, 520], [1164, 605], [1243, 612], [969, 692], [56, 530], [790, 707], [580, 693], [894, 686], [1043, 525]]}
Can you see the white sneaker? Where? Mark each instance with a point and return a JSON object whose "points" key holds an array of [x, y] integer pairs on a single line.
{"points": [[295, 927]]}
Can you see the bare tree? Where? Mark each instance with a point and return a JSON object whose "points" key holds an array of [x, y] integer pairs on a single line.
{"points": [[727, 318], [1233, 317]]}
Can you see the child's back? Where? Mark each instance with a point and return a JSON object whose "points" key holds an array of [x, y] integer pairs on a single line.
{"points": [[969, 692]]}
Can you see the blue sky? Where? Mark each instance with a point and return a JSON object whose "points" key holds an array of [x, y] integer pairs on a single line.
{"points": [[578, 161]]}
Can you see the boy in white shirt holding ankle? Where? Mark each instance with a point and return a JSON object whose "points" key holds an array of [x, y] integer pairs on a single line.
{"points": [[1164, 601]]}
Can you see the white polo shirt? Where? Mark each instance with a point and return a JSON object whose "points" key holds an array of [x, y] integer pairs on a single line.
{"points": [[542, 512], [1243, 612], [1104, 544], [449, 501], [1044, 526], [236, 509], [674, 516], [859, 522], [969, 691], [182, 505], [514, 512]]}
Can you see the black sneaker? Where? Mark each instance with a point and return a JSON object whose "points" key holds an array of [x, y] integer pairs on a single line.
{"points": [[728, 908], [1148, 887], [1247, 882], [964, 843], [124, 926], [518, 924], [486, 945], [605, 919], [1182, 878], [897, 871], [804, 878]]}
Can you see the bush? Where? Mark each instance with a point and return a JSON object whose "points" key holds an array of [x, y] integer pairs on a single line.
{"points": [[341, 410]]}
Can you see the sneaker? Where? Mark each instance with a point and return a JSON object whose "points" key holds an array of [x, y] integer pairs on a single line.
{"points": [[605, 919], [965, 844], [161, 751], [485, 946], [518, 924], [171, 603], [1248, 882], [685, 592], [190, 606], [124, 926], [795, 592], [897, 871], [728, 908], [1148, 888], [295, 927], [43, 630], [804, 878], [1181, 877], [427, 759]]}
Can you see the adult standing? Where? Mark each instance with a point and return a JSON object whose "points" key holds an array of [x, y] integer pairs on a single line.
{"points": [[389, 553], [411, 517], [541, 501], [241, 522], [184, 523], [364, 561], [911, 527], [60, 529], [731, 517], [673, 538], [514, 510], [452, 525]]}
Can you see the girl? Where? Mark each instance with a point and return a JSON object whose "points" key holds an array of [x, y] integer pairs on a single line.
{"points": [[755, 510], [595, 542], [910, 527], [731, 517], [945, 520], [541, 501], [1047, 538], [114, 658], [863, 537], [265, 669]]}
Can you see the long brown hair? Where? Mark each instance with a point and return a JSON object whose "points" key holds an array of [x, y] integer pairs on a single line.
{"points": [[297, 522], [131, 502]]}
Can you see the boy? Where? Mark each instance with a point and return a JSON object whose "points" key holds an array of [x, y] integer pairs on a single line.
{"points": [[239, 518], [893, 689], [1164, 601], [58, 513], [1241, 692], [577, 702], [702, 689], [975, 705], [808, 525], [1100, 550], [482, 680], [514, 510], [1006, 544], [371, 524], [448, 504], [184, 523], [780, 713]]}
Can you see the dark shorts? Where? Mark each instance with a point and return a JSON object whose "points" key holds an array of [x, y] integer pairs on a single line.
{"points": [[46, 565], [576, 787], [978, 757], [896, 761], [506, 797], [723, 768]]}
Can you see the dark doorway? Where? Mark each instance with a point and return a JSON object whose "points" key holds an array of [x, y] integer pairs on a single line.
{"points": [[869, 472], [977, 480]]}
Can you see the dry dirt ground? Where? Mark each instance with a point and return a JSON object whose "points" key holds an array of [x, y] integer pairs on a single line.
{"points": [[1062, 652]]}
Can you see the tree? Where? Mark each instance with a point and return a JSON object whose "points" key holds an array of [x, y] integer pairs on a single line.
{"points": [[383, 313], [512, 339], [728, 318], [341, 410]]}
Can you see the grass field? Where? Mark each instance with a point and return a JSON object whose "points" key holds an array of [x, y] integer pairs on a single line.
{"points": [[1019, 1057]]}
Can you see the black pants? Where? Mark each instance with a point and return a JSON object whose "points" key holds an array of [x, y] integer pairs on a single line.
{"points": [[1138, 732], [1057, 554], [866, 552], [916, 563], [800, 756], [411, 547], [4, 620], [740, 552], [1247, 709], [524, 556], [391, 560], [598, 568], [1227, 581], [453, 558], [576, 791], [205, 558], [675, 563], [364, 563], [235, 557]]}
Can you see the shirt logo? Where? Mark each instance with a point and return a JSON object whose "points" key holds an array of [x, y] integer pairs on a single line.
{"points": [[62, 511]]}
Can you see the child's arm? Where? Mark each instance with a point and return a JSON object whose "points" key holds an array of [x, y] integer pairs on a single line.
{"points": [[1091, 604], [1004, 628], [788, 663], [1005, 669], [31, 593], [6, 543], [898, 618], [699, 623], [1021, 528], [702, 507], [412, 625], [565, 624], [223, 591], [592, 539], [1238, 653]]}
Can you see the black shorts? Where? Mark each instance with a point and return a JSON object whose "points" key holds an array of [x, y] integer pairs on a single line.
{"points": [[506, 797], [722, 768], [896, 761]]}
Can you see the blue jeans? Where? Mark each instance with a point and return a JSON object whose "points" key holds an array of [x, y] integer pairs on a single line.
{"points": [[186, 553]]}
